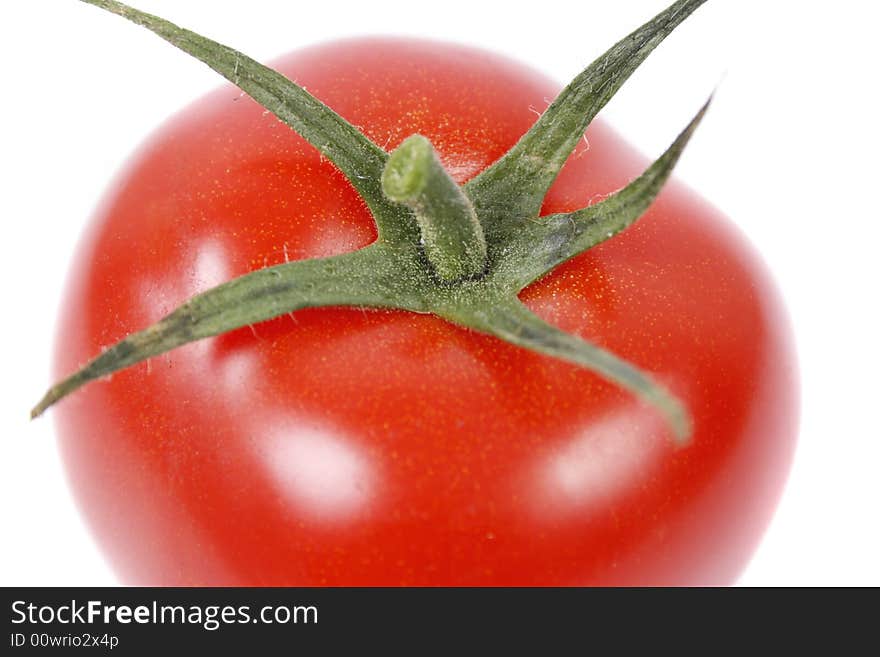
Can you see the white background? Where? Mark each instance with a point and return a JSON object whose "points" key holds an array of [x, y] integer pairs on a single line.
{"points": [[790, 150]]}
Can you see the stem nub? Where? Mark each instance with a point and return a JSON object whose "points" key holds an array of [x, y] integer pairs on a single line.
{"points": [[451, 233]]}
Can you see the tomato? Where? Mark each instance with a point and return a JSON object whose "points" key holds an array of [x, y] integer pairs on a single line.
{"points": [[354, 447]]}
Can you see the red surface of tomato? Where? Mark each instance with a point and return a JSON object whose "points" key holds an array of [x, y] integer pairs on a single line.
{"points": [[348, 447]]}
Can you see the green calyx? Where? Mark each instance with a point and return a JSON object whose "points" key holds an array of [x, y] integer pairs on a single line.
{"points": [[463, 253]]}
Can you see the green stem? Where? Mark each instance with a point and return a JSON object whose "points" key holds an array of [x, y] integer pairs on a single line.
{"points": [[540, 246], [371, 277], [516, 324], [512, 190], [451, 233], [359, 159]]}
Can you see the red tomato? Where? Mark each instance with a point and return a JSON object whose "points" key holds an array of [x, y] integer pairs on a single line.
{"points": [[349, 447]]}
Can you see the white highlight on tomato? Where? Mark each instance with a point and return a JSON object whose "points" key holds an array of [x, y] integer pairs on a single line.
{"points": [[318, 472], [600, 462], [208, 269]]}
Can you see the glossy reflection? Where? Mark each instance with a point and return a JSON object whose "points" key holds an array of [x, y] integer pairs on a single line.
{"points": [[600, 462], [318, 472], [206, 265]]}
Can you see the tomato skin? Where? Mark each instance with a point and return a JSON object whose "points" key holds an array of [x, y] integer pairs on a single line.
{"points": [[349, 447]]}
